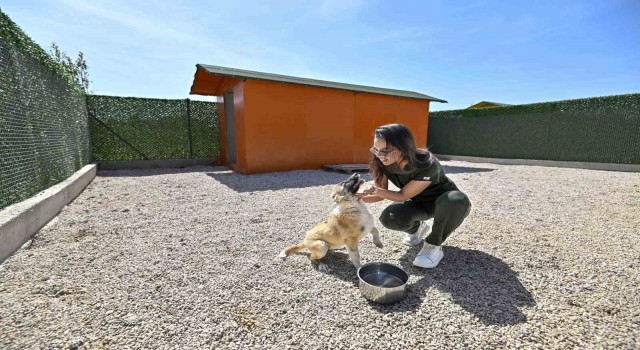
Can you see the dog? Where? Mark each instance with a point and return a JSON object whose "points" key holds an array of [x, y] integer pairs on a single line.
{"points": [[347, 224]]}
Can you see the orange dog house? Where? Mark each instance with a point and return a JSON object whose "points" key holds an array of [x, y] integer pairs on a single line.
{"points": [[271, 122]]}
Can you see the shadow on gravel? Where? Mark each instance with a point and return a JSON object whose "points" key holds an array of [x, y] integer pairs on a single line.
{"points": [[276, 181], [480, 283], [450, 169]]}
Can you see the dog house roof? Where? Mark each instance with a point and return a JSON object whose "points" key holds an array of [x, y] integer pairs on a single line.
{"points": [[247, 74]]}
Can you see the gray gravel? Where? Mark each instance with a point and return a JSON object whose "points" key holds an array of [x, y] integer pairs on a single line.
{"points": [[187, 258]]}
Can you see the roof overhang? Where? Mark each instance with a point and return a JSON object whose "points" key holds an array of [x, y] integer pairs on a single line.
{"points": [[208, 76]]}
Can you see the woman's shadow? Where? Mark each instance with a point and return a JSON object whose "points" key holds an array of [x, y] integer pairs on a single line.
{"points": [[478, 282]]}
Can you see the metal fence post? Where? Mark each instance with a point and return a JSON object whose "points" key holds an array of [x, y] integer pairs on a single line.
{"points": [[189, 126]]}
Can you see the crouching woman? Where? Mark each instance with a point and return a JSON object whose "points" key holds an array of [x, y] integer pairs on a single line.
{"points": [[425, 193]]}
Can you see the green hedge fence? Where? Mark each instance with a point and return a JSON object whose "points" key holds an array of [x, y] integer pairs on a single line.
{"points": [[129, 128], [599, 129], [44, 136]]}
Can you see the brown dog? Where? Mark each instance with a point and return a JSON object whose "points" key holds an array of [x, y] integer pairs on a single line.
{"points": [[346, 225]]}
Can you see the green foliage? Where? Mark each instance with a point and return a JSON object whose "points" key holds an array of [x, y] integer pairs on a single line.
{"points": [[77, 69], [600, 129]]}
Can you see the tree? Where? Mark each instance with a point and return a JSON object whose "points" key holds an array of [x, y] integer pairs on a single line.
{"points": [[77, 68]]}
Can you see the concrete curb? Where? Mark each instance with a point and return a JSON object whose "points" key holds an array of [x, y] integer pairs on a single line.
{"points": [[548, 163], [157, 163], [22, 220]]}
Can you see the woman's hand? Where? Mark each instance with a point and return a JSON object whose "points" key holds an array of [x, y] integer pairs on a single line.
{"points": [[371, 189]]}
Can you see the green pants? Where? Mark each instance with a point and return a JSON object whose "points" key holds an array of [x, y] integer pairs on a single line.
{"points": [[448, 211]]}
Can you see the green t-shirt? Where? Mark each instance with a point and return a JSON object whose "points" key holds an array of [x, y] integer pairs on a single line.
{"points": [[440, 183]]}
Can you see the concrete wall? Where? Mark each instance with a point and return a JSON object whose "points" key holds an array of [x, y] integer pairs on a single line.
{"points": [[22, 220], [158, 163]]}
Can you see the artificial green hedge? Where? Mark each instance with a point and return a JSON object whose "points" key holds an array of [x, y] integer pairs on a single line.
{"points": [[44, 135], [16, 39], [600, 129], [130, 128]]}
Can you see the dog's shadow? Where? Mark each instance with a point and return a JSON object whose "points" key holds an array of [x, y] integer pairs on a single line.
{"points": [[339, 265], [478, 282]]}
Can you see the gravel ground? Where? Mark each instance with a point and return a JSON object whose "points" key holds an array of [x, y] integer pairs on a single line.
{"points": [[187, 258]]}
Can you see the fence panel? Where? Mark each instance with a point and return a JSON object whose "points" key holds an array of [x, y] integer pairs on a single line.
{"points": [[600, 129], [129, 128], [44, 135]]}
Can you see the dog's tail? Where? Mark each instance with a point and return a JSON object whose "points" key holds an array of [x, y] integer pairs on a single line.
{"points": [[292, 249]]}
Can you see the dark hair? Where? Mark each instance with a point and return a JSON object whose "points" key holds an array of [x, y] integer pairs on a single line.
{"points": [[400, 137]]}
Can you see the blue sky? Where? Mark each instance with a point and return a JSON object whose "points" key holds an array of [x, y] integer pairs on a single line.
{"points": [[462, 51]]}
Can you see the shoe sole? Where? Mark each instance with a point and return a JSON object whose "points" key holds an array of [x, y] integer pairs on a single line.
{"points": [[426, 267]]}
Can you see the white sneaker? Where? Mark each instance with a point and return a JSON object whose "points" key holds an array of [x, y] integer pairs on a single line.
{"points": [[423, 231], [429, 256]]}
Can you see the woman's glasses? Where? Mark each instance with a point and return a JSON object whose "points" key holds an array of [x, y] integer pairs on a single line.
{"points": [[381, 153]]}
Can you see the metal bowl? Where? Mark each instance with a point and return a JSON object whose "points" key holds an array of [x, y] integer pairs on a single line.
{"points": [[382, 282]]}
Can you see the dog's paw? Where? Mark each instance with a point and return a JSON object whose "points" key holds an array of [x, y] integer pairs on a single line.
{"points": [[282, 255]]}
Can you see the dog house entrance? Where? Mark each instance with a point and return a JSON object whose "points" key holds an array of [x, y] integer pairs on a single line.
{"points": [[231, 127]]}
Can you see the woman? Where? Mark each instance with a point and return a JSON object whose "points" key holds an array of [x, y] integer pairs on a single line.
{"points": [[425, 193]]}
